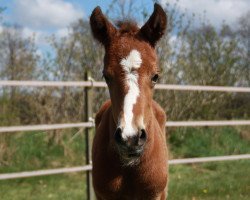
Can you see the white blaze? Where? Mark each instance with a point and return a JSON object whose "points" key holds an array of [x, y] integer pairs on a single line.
{"points": [[130, 65]]}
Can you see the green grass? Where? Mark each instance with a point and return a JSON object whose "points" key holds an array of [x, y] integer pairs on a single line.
{"points": [[215, 180], [221, 180], [63, 187], [200, 142], [32, 151]]}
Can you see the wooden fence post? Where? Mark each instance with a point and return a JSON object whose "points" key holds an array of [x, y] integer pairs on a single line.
{"points": [[88, 136]]}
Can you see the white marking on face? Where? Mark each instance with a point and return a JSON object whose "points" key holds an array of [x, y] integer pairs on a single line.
{"points": [[130, 64]]}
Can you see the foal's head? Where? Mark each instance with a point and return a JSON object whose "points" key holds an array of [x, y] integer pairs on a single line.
{"points": [[130, 70]]}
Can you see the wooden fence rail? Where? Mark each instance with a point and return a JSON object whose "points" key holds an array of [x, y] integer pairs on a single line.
{"points": [[90, 124], [28, 174], [100, 84]]}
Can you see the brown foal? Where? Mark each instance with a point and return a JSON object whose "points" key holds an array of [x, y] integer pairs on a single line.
{"points": [[129, 149]]}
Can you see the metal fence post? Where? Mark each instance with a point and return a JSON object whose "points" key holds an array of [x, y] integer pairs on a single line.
{"points": [[88, 136]]}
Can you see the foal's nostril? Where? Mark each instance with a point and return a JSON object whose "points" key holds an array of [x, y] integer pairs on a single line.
{"points": [[136, 141], [118, 135], [142, 137]]}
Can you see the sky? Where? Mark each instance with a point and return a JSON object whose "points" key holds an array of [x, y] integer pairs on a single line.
{"points": [[44, 17]]}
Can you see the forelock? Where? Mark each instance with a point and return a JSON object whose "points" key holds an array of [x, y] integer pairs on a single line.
{"points": [[127, 26]]}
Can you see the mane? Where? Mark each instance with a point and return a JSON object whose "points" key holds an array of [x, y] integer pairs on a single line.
{"points": [[127, 27]]}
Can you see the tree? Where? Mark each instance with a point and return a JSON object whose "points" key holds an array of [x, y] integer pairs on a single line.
{"points": [[18, 61], [243, 34], [18, 55]]}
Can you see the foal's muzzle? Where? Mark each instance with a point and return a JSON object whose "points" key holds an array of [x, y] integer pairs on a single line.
{"points": [[132, 146]]}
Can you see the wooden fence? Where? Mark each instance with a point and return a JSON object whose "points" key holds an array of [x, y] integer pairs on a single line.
{"points": [[89, 85]]}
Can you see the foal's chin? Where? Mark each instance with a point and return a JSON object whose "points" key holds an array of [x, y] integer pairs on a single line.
{"points": [[129, 159]]}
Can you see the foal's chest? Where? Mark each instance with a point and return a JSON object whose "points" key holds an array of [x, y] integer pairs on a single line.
{"points": [[134, 186]]}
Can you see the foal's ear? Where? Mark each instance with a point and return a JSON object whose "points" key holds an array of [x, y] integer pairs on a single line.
{"points": [[101, 28], [155, 27]]}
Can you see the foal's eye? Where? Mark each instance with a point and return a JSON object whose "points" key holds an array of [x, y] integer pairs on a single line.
{"points": [[155, 78]]}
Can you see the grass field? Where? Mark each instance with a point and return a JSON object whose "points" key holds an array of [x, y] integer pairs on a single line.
{"points": [[218, 180]]}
